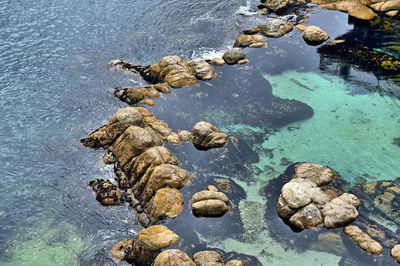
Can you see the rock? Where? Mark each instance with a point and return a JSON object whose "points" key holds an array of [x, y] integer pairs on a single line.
{"points": [[390, 5], [208, 203], [283, 209], [318, 174], [232, 56], [161, 87], [174, 71], [203, 70], [277, 5], [166, 202], [117, 124], [206, 136], [122, 249], [106, 192], [246, 40], [148, 102], [295, 192], [164, 175], [276, 28], [134, 141], [314, 35], [108, 158], [217, 61], [353, 9], [208, 258], [363, 240], [172, 257], [351, 199], [136, 95], [184, 135], [395, 252], [258, 45], [392, 13], [243, 61], [212, 188], [149, 241], [173, 138], [235, 263], [338, 213], [330, 242], [307, 217]]}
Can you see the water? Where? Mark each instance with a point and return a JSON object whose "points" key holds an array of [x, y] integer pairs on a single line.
{"points": [[55, 88]]}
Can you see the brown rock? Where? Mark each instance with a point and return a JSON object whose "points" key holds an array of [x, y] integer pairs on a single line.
{"points": [[203, 70], [314, 35], [208, 203], [395, 252], [166, 202], [235, 263], [136, 95], [108, 158], [184, 135], [295, 192], [301, 27], [161, 87], [173, 138], [217, 61], [243, 61], [283, 209], [206, 136], [208, 258], [276, 28], [319, 174], [148, 102], [258, 45], [246, 40], [392, 13], [122, 249], [173, 257], [363, 240], [307, 217], [353, 9], [106, 192], [390, 5], [338, 213]]}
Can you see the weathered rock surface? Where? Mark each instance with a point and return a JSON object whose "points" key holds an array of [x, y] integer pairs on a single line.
{"points": [[217, 61], [135, 95], [307, 217], [363, 240], [235, 263], [209, 203], [161, 87], [166, 202], [206, 136], [395, 252], [203, 70], [208, 258], [314, 35], [354, 9], [232, 56], [184, 135], [173, 257], [117, 124], [246, 40], [122, 249], [338, 213], [277, 5], [106, 192], [276, 28]]}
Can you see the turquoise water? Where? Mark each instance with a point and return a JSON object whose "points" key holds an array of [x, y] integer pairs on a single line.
{"points": [[55, 88]]}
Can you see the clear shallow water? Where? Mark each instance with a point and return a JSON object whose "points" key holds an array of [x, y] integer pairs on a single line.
{"points": [[55, 88]]}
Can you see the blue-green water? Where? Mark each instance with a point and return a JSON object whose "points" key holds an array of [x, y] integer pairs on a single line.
{"points": [[55, 88]]}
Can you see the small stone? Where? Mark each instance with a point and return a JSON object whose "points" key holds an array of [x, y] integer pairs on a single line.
{"points": [[108, 159], [217, 61], [172, 257], [212, 188], [243, 61], [143, 219], [184, 135], [206, 136], [314, 35], [276, 28], [235, 263], [258, 45], [148, 102], [245, 40]]}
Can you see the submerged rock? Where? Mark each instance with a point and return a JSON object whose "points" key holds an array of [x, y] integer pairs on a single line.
{"points": [[208, 258], [314, 35], [232, 56], [206, 136], [106, 192], [209, 203], [276, 28], [363, 240], [172, 257]]}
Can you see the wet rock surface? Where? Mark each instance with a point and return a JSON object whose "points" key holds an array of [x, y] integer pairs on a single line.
{"points": [[206, 136], [106, 192], [247, 40], [276, 28]]}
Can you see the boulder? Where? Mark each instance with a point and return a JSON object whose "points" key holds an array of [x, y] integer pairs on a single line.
{"points": [[149, 241], [122, 249], [307, 217], [232, 56], [206, 136], [208, 258], [319, 174], [276, 28], [203, 70], [106, 192], [235, 263], [167, 202], [295, 192], [118, 123], [136, 95], [134, 141], [390, 5], [173, 257], [363, 240], [338, 213], [314, 35], [164, 175], [217, 61], [208, 203], [395, 252], [246, 40]]}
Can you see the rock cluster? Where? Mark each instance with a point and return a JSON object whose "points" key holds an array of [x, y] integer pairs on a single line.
{"points": [[306, 201], [206, 136], [209, 203], [363, 240], [106, 192]]}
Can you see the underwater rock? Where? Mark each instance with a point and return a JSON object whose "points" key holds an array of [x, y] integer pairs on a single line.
{"points": [[246, 40], [135, 95], [363, 240], [106, 192], [395, 252], [203, 70], [206, 136], [232, 56], [208, 258], [172, 257], [117, 125], [134, 141], [329, 241], [314, 35], [149, 241], [122, 249], [276, 28], [208, 203], [217, 61]]}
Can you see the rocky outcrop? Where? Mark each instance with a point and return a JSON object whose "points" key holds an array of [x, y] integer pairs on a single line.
{"points": [[232, 56], [363, 240], [209, 203], [305, 201], [136, 95], [275, 28], [202, 69], [314, 35], [106, 192], [206, 136], [247, 40], [354, 9], [173, 257], [395, 252], [208, 258]]}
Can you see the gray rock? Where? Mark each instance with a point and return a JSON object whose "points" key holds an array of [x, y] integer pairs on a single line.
{"points": [[307, 217], [276, 28], [232, 56], [338, 213]]}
